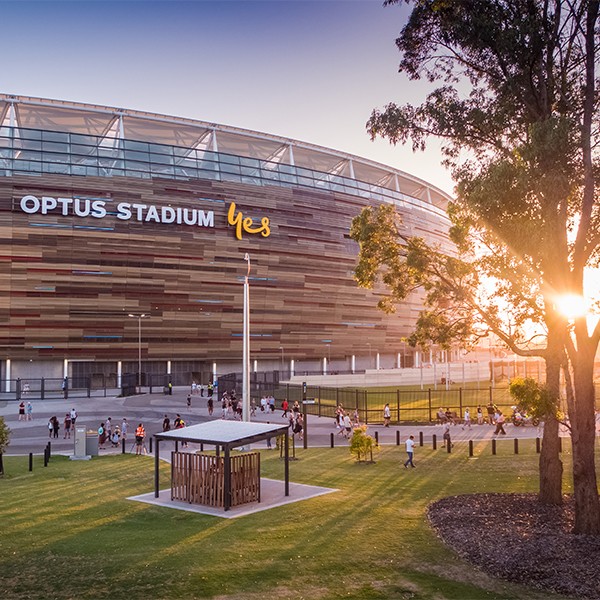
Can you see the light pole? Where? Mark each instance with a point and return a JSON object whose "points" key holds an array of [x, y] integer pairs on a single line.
{"points": [[246, 342], [139, 318]]}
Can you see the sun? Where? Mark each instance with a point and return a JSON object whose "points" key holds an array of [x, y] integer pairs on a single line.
{"points": [[572, 306]]}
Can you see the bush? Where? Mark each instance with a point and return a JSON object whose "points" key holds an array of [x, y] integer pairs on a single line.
{"points": [[362, 445], [4, 441]]}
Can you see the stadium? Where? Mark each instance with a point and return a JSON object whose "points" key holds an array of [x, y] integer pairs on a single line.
{"points": [[124, 236]]}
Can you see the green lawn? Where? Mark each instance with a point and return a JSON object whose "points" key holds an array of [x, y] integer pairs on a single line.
{"points": [[68, 532]]}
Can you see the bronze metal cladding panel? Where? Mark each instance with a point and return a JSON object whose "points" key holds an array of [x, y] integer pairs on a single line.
{"points": [[69, 282]]}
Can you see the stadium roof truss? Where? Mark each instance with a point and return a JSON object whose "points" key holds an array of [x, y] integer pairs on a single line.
{"points": [[113, 125]]}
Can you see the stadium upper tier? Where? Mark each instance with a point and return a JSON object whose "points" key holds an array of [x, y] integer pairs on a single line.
{"points": [[39, 136]]}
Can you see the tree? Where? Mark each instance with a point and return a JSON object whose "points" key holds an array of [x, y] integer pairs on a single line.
{"points": [[4, 441], [521, 143]]}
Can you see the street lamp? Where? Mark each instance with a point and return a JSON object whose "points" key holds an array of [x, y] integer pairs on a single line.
{"points": [[246, 342], [139, 318]]}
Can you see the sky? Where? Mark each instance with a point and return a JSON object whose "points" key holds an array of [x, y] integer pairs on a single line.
{"points": [[308, 70]]}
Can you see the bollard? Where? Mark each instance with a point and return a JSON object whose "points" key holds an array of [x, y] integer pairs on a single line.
{"points": [[516, 446], [377, 437], [538, 445], [434, 437], [123, 446], [31, 461], [420, 438], [397, 438], [494, 446], [331, 439], [449, 446], [150, 444], [201, 447], [470, 447], [46, 456]]}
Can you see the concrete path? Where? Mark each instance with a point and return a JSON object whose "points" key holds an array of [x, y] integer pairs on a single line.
{"points": [[32, 436]]}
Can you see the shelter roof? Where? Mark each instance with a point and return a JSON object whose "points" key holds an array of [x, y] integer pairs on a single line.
{"points": [[224, 433]]}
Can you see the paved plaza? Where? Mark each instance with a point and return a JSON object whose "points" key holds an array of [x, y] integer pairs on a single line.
{"points": [[31, 436]]}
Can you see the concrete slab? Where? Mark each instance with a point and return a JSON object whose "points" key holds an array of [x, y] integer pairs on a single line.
{"points": [[272, 495]]}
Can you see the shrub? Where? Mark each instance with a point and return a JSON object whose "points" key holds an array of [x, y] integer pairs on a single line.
{"points": [[362, 445]]}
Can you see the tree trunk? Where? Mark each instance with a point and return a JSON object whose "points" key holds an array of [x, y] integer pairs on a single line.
{"points": [[583, 433], [551, 467]]}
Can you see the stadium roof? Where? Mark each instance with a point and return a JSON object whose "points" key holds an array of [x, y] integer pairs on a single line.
{"points": [[113, 124]]}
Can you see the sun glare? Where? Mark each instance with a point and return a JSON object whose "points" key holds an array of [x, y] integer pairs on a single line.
{"points": [[572, 306]]}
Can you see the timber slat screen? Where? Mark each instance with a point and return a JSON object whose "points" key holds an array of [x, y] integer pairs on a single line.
{"points": [[200, 478]]}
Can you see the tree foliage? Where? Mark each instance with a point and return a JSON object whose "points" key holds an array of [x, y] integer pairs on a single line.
{"points": [[518, 111]]}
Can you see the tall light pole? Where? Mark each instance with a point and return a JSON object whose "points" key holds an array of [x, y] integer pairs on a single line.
{"points": [[246, 342], [139, 318]]}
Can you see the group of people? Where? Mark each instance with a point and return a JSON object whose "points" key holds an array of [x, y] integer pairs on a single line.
{"points": [[198, 388], [54, 424], [25, 411], [107, 433], [344, 422]]}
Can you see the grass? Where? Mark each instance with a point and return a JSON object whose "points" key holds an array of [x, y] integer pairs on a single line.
{"points": [[68, 532]]}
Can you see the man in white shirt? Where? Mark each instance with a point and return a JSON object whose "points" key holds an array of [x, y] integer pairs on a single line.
{"points": [[410, 448]]}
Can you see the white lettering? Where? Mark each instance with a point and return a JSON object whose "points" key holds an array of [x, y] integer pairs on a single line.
{"points": [[85, 207], [167, 214], [206, 219], [98, 209], [48, 203], [65, 202], [123, 211], [152, 215], [30, 204], [81, 212], [139, 208], [189, 220]]}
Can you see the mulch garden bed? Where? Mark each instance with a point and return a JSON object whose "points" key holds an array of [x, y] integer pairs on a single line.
{"points": [[514, 537]]}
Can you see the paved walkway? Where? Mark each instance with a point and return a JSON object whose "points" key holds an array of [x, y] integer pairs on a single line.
{"points": [[32, 436]]}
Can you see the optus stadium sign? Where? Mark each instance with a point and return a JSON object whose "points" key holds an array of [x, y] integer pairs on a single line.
{"points": [[144, 213]]}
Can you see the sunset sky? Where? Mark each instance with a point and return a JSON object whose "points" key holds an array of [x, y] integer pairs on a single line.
{"points": [[312, 71]]}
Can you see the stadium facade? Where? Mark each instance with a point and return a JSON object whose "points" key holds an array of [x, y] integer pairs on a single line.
{"points": [[109, 213]]}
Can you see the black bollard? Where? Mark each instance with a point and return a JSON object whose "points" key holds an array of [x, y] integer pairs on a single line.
{"points": [[397, 438], [516, 446], [377, 437], [150, 444], [31, 461], [123, 446], [538, 445], [470, 447], [449, 446], [494, 446], [434, 437], [46, 456], [420, 438], [331, 439]]}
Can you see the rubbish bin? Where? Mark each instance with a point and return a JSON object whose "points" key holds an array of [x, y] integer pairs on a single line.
{"points": [[91, 443]]}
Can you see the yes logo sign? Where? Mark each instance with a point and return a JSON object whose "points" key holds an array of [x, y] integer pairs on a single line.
{"points": [[245, 224]]}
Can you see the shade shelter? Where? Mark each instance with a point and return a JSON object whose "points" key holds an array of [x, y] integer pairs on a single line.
{"points": [[225, 436]]}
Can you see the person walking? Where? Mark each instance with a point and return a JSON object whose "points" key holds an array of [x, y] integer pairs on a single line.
{"points": [[387, 415], [166, 423], [29, 411], [101, 436], [410, 449], [479, 416], [55, 426], [500, 424], [22, 411], [210, 405], [189, 400], [467, 421], [284, 406], [491, 410]]}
